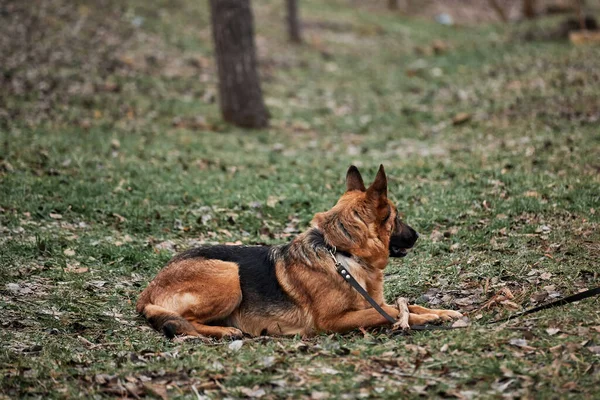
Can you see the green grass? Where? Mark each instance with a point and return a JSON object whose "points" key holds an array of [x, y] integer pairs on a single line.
{"points": [[500, 201]]}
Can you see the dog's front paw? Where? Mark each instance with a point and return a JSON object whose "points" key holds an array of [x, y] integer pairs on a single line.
{"points": [[449, 315], [232, 333], [401, 325]]}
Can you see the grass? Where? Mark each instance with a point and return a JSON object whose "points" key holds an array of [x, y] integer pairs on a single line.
{"points": [[101, 179]]}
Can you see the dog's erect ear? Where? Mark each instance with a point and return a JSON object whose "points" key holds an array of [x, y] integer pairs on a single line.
{"points": [[353, 180], [378, 188]]}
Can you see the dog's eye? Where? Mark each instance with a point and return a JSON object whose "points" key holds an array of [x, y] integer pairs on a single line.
{"points": [[388, 215]]}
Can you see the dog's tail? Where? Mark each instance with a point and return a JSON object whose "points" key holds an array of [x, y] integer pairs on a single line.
{"points": [[168, 322]]}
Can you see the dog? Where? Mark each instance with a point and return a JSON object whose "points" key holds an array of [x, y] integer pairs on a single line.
{"points": [[229, 291]]}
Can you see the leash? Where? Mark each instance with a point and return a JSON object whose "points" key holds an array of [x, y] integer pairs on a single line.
{"points": [[343, 271], [557, 303]]}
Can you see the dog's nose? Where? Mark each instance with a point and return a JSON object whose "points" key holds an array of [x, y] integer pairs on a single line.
{"points": [[414, 233]]}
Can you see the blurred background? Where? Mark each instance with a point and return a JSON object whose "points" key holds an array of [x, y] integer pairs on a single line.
{"points": [[130, 130]]}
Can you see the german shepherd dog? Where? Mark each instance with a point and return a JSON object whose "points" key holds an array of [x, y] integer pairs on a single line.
{"points": [[226, 291]]}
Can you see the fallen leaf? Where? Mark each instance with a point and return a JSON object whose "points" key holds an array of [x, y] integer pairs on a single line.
{"points": [[594, 349], [556, 349], [543, 229], [75, 269], [69, 252], [465, 301], [552, 331], [329, 371], [156, 390], [255, 392], [236, 345], [436, 236], [461, 118], [545, 276], [273, 200], [119, 217], [460, 324], [511, 305], [521, 343], [268, 361]]}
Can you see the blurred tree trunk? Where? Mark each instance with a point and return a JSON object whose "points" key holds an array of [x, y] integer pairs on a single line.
{"points": [[293, 21], [529, 9], [393, 4], [579, 9], [499, 10], [240, 95]]}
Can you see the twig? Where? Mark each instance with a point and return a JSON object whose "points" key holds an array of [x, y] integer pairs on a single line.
{"points": [[196, 392]]}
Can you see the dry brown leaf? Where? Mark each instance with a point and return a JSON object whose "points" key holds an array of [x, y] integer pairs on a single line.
{"points": [[255, 392], [461, 118], [156, 390], [531, 193], [545, 276], [119, 217], [436, 235], [510, 305], [76, 270], [594, 349], [460, 323]]}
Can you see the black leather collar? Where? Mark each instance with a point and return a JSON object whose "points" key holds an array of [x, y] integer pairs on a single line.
{"points": [[318, 240]]}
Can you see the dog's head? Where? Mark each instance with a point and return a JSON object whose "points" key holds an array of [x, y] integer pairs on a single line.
{"points": [[365, 223]]}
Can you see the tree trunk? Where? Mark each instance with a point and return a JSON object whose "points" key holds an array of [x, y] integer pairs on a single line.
{"points": [[293, 21], [393, 4], [578, 6], [499, 10], [529, 9], [240, 95]]}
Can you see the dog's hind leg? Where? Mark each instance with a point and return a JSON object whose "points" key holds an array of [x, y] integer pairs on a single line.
{"points": [[189, 294], [217, 331], [168, 322]]}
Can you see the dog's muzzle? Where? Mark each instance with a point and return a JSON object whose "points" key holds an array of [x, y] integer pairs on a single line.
{"points": [[398, 251], [402, 241]]}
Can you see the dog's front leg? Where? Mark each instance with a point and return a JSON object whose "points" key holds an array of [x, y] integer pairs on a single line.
{"points": [[358, 319], [445, 315], [404, 315]]}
